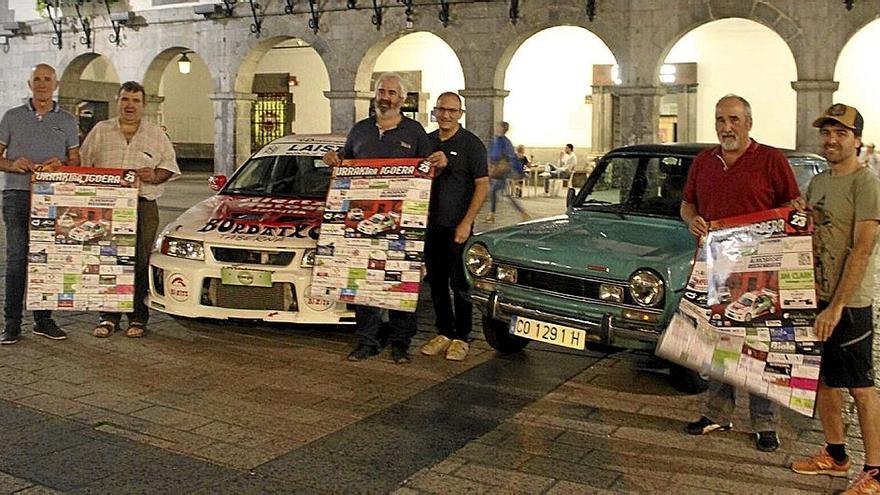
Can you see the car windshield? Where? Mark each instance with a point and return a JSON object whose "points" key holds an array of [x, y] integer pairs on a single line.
{"points": [[282, 176], [649, 185], [747, 298]]}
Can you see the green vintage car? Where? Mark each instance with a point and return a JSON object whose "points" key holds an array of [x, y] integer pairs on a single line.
{"points": [[611, 270]]}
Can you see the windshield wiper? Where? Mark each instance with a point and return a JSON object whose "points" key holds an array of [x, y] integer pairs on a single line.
{"points": [[615, 207], [246, 190]]}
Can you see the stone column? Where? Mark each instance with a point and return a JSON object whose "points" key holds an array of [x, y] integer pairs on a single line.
{"points": [[232, 130], [485, 108], [346, 108], [813, 97], [638, 112], [153, 109], [602, 139], [687, 113]]}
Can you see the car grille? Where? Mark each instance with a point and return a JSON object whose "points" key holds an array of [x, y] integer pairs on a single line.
{"points": [[280, 297], [564, 284], [252, 256]]}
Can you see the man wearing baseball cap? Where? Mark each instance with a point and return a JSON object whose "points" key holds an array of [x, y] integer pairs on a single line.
{"points": [[846, 208]]}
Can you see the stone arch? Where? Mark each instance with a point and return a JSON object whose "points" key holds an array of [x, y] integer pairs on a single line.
{"points": [[87, 89], [857, 74]]}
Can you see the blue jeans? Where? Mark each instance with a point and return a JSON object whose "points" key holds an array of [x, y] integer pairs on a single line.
{"points": [[722, 402], [368, 319], [497, 185], [16, 214]]}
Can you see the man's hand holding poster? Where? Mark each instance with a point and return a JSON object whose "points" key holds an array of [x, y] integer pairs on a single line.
{"points": [[746, 316], [370, 250]]}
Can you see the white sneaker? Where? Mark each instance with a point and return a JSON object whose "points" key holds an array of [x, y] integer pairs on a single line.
{"points": [[457, 351], [545, 174], [436, 345]]}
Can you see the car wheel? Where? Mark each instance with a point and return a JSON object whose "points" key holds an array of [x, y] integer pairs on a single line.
{"points": [[500, 338], [686, 380], [772, 309], [747, 318]]}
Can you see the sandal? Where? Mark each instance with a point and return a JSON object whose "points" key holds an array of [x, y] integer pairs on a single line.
{"points": [[135, 330], [104, 329]]}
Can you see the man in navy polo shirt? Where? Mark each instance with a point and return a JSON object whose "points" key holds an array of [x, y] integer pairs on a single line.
{"points": [[457, 194], [388, 134], [738, 177], [32, 135]]}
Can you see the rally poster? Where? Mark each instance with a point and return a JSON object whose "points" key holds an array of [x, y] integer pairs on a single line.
{"points": [[372, 241], [746, 316], [83, 228]]}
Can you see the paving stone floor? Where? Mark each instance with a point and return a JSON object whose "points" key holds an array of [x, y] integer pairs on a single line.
{"points": [[209, 407]]}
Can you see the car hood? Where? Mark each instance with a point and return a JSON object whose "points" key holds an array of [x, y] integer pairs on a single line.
{"points": [[597, 244], [261, 221]]}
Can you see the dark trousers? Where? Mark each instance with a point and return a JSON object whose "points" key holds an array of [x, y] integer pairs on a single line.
{"points": [[368, 320], [16, 214], [147, 224], [445, 275]]}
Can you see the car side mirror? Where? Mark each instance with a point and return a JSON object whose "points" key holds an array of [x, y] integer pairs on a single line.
{"points": [[216, 182], [569, 197]]}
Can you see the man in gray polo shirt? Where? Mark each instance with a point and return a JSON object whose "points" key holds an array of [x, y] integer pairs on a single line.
{"points": [[32, 135]]}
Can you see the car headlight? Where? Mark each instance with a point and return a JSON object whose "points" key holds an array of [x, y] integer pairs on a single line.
{"points": [[183, 248], [646, 288], [478, 260], [308, 259]]}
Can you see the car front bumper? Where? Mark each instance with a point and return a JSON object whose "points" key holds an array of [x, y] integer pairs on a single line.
{"points": [[604, 327], [194, 289]]}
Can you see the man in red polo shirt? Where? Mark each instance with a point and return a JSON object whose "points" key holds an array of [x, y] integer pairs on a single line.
{"points": [[738, 177]]}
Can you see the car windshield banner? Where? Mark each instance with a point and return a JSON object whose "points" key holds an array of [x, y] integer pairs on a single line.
{"points": [[83, 226], [372, 239], [746, 316]]}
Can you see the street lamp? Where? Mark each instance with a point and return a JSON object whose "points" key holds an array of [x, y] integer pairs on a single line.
{"points": [[184, 65]]}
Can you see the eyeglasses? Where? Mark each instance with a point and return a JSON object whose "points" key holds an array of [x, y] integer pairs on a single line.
{"points": [[447, 110]]}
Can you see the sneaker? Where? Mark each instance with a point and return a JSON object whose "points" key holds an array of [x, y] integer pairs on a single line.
{"points": [[400, 354], [821, 463], [10, 334], [362, 351], [767, 441], [704, 426], [865, 484], [545, 174], [436, 345], [458, 350], [48, 329]]}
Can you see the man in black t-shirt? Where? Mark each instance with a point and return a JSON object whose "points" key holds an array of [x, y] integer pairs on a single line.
{"points": [[388, 134], [457, 193]]}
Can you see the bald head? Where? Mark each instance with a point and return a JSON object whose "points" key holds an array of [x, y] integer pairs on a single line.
{"points": [[43, 82]]}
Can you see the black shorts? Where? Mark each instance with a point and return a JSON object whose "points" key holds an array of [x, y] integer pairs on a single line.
{"points": [[847, 360]]}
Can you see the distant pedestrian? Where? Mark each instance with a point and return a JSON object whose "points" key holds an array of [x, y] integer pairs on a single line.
{"points": [[130, 142], [35, 134], [502, 158], [563, 169], [457, 194], [846, 207], [870, 158]]}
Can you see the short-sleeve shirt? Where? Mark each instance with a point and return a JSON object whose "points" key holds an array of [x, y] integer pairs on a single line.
{"points": [[407, 140], [106, 147], [759, 180], [37, 138], [453, 187], [839, 202]]}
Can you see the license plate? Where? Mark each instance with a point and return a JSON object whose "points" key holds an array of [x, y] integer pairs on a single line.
{"points": [[240, 276], [551, 333]]}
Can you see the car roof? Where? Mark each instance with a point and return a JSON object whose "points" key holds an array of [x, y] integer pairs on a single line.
{"points": [[310, 138], [693, 149]]}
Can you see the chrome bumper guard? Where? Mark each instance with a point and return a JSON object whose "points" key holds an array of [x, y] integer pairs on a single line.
{"points": [[602, 332]]}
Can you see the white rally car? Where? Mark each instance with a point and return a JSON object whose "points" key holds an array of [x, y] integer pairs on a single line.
{"points": [[248, 251]]}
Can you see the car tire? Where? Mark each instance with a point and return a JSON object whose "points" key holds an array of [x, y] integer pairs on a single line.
{"points": [[686, 380], [498, 336], [747, 318]]}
